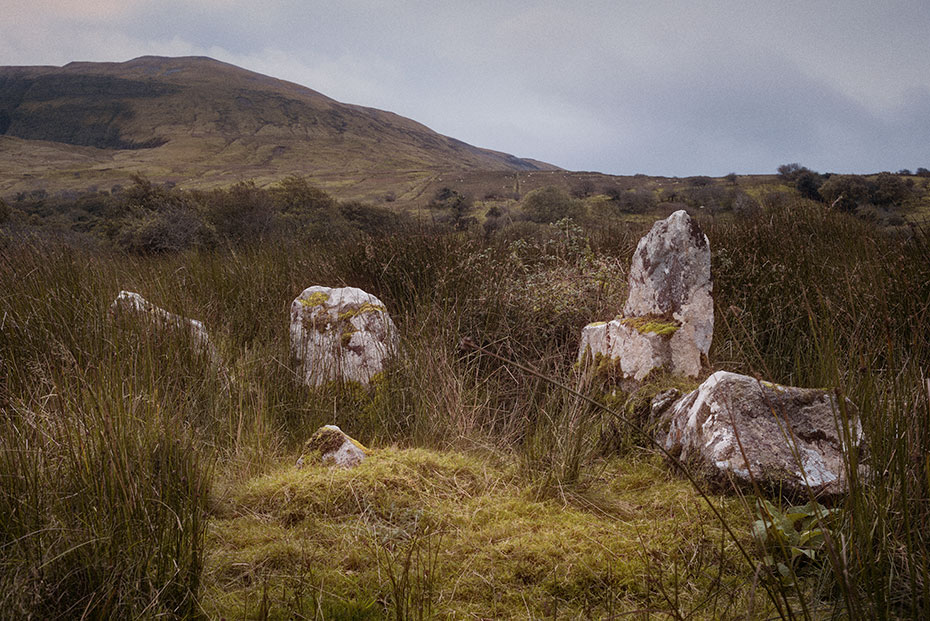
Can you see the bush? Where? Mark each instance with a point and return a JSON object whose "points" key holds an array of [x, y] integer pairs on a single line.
{"points": [[241, 213], [155, 219], [889, 189], [845, 192], [549, 204], [808, 185], [790, 172], [294, 196], [639, 200]]}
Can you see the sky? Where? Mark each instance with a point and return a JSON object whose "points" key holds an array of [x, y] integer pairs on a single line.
{"points": [[696, 87]]}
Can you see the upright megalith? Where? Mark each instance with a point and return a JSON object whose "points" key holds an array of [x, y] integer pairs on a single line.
{"points": [[668, 318], [789, 439], [130, 303], [341, 334]]}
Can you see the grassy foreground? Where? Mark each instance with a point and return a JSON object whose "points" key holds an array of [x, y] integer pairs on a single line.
{"points": [[141, 481], [447, 535]]}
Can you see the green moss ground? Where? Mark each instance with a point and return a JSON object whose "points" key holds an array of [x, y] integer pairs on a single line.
{"points": [[295, 543]]}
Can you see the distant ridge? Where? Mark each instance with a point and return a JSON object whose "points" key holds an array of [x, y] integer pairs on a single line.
{"points": [[200, 122]]}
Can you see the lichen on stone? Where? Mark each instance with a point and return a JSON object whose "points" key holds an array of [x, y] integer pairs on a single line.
{"points": [[317, 298], [367, 307], [347, 333]]}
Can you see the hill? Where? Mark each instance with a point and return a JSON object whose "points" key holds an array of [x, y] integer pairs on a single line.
{"points": [[199, 122]]}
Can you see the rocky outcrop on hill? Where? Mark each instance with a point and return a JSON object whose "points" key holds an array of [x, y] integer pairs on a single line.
{"points": [[668, 318], [781, 437], [341, 334]]}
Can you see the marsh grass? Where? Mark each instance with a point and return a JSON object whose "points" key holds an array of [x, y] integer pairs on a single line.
{"points": [[119, 443]]}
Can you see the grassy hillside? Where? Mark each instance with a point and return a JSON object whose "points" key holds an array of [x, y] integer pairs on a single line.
{"points": [[202, 123]]}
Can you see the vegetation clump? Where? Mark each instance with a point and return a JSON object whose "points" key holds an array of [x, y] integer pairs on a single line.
{"points": [[652, 325]]}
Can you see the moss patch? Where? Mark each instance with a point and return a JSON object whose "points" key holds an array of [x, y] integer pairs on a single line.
{"points": [[652, 324], [328, 439], [481, 542]]}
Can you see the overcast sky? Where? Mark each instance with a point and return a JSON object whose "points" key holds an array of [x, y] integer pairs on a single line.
{"points": [[655, 87]]}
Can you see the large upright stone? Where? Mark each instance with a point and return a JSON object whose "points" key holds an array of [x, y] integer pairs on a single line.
{"points": [[668, 318], [784, 438], [341, 334]]}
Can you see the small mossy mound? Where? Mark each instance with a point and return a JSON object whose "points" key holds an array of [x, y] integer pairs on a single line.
{"points": [[652, 324], [469, 538], [329, 438]]}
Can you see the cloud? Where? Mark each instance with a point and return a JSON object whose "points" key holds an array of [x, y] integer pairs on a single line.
{"points": [[661, 87]]}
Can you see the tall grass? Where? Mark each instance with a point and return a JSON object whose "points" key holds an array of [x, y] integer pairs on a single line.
{"points": [[115, 437], [814, 298]]}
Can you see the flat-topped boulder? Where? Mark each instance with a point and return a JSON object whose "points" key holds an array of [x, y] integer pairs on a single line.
{"points": [[668, 319], [782, 437], [341, 334]]}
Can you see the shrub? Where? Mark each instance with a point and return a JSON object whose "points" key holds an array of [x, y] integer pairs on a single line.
{"points": [[639, 200], [295, 195], [242, 213], [790, 172], [808, 185], [549, 204], [845, 192], [889, 189]]}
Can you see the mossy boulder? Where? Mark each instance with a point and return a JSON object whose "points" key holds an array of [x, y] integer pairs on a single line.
{"points": [[332, 446]]}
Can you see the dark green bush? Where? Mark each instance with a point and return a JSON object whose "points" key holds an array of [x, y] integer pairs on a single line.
{"points": [[550, 204]]}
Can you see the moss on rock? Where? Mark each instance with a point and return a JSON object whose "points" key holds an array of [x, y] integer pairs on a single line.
{"points": [[652, 324]]}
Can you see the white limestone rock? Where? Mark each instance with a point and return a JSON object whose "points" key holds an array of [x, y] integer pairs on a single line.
{"points": [[668, 318], [331, 446], [341, 334], [670, 276], [133, 303], [783, 437]]}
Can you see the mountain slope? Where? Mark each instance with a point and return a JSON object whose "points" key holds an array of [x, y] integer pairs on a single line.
{"points": [[201, 123]]}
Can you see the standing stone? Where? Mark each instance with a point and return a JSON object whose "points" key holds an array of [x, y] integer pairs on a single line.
{"points": [[341, 334], [668, 318], [133, 303], [784, 438]]}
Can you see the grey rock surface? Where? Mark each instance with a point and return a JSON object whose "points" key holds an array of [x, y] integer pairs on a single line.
{"points": [[782, 437], [341, 334], [668, 318]]}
